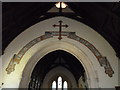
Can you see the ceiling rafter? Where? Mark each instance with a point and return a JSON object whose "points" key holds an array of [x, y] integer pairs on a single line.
{"points": [[19, 16]]}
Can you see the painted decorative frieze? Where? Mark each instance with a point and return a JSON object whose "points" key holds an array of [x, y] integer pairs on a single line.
{"points": [[17, 57], [71, 35], [11, 67], [102, 60]]}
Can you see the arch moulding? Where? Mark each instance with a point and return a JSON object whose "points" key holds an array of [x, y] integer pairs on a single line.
{"points": [[71, 35], [80, 55]]}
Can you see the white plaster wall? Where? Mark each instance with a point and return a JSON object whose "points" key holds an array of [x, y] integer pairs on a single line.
{"points": [[56, 71], [81, 30]]}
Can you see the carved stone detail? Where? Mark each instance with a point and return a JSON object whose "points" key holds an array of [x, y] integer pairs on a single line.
{"points": [[102, 60]]}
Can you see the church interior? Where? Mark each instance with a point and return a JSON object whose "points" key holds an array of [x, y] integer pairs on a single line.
{"points": [[60, 45]]}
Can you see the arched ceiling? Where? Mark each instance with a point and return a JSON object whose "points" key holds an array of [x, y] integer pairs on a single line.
{"points": [[103, 17]]}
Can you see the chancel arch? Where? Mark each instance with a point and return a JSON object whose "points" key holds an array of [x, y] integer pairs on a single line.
{"points": [[89, 69], [94, 72]]}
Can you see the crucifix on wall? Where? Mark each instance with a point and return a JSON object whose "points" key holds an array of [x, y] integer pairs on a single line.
{"points": [[60, 28]]}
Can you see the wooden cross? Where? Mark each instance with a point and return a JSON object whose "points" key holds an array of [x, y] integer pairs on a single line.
{"points": [[60, 28]]}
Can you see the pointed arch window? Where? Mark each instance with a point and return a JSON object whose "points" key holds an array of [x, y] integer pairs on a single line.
{"points": [[54, 85], [59, 84], [65, 85]]}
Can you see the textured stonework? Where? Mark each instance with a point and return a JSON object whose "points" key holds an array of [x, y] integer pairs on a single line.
{"points": [[71, 35]]}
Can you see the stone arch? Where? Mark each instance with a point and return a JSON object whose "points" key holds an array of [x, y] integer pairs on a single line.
{"points": [[71, 35], [80, 55], [99, 42]]}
